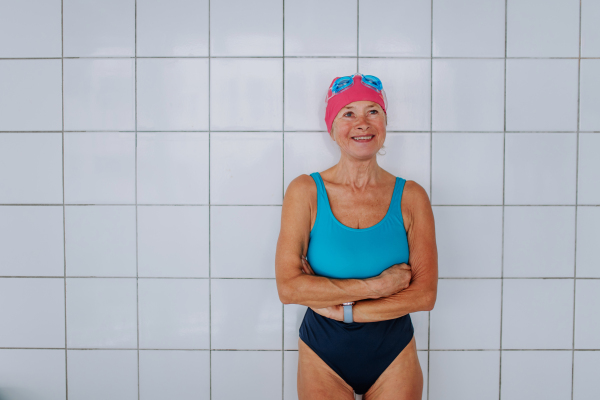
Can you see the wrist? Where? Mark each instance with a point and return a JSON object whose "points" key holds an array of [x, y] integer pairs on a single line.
{"points": [[377, 287]]}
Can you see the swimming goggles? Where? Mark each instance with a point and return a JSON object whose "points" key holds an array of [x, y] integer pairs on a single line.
{"points": [[345, 82]]}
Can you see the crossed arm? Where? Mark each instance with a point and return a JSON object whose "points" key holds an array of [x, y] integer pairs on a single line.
{"points": [[379, 298]]}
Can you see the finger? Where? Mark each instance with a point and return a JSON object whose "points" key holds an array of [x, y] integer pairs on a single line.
{"points": [[307, 266]]}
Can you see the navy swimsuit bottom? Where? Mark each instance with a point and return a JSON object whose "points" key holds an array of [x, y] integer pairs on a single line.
{"points": [[357, 352]]}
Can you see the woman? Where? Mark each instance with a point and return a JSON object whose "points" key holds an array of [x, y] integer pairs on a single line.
{"points": [[357, 246]]}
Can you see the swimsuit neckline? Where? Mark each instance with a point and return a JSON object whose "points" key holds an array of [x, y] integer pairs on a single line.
{"points": [[385, 217]]}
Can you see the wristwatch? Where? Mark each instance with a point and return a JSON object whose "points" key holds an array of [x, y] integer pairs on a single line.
{"points": [[348, 312]]}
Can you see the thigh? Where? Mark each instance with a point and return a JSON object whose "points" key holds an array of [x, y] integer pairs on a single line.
{"points": [[402, 379], [316, 379]]}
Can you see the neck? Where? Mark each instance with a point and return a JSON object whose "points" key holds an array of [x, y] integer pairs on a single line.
{"points": [[356, 173]]}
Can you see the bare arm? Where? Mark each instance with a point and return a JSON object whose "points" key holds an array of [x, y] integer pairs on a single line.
{"points": [[422, 291], [296, 287]]}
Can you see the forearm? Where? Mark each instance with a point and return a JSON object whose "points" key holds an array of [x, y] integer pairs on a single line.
{"points": [[319, 291], [409, 300]]}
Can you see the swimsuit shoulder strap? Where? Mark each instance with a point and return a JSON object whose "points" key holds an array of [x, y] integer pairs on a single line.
{"points": [[397, 197]]}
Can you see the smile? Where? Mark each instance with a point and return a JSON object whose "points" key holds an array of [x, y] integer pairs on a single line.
{"points": [[363, 138]]}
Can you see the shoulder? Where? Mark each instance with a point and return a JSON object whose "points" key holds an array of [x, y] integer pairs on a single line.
{"points": [[300, 190], [415, 201], [415, 194]]}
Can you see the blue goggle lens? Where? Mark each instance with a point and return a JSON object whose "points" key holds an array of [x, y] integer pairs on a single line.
{"points": [[372, 81], [341, 84]]}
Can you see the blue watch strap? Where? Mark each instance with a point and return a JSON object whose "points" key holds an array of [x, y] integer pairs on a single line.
{"points": [[348, 314]]}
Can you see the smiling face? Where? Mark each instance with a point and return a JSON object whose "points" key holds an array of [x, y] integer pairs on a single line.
{"points": [[359, 129]]}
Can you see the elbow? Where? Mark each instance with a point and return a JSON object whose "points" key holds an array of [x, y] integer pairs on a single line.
{"points": [[430, 299], [285, 294]]}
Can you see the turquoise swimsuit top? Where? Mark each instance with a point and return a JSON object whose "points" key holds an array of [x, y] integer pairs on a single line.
{"points": [[338, 251]]}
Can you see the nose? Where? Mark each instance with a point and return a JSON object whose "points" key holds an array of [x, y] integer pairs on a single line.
{"points": [[361, 123]]}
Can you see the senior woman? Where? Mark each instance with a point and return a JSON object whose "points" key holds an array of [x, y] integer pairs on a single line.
{"points": [[357, 246]]}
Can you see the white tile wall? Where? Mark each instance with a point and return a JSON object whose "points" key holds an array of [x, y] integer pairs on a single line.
{"points": [[145, 147]]}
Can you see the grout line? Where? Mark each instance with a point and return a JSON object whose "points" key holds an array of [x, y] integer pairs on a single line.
{"points": [[62, 91], [304, 56], [209, 223], [264, 350], [279, 205], [242, 132], [272, 279], [283, 192], [503, 202], [576, 208], [137, 291], [430, 177]]}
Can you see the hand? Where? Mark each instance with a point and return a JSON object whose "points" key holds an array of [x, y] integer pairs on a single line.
{"points": [[393, 280], [306, 268], [332, 312]]}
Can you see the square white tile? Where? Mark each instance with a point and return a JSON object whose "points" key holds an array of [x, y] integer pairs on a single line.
{"points": [[314, 28], [293, 315], [538, 28], [420, 322], [465, 375], [101, 312], [243, 241], [257, 375], [539, 242], [92, 29], [246, 94], [234, 33], [173, 241], [173, 313], [468, 28], [31, 241], [468, 95], [466, 315], [588, 174], [586, 385], [31, 95], [590, 31], [246, 168], [32, 168], [541, 95], [172, 168], [408, 155], [540, 168], [307, 152], [99, 94], [307, 81], [30, 29], [100, 240], [530, 311], [469, 241], [392, 28], [290, 375], [174, 28], [102, 374], [467, 168], [407, 85], [587, 319], [173, 374], [589, 98], [34, 374], [99, 167], [172, 94], [530, 375], [33, 312], [588, 237], [251, 303]]}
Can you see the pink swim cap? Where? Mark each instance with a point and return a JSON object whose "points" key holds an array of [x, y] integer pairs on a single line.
{"points": [[356, 92]]}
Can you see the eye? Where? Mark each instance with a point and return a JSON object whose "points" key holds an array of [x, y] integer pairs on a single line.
{"points": [[349, 112], [376, 112]]}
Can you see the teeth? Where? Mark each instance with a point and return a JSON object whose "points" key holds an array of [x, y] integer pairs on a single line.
{"points": [[362, 137]]}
